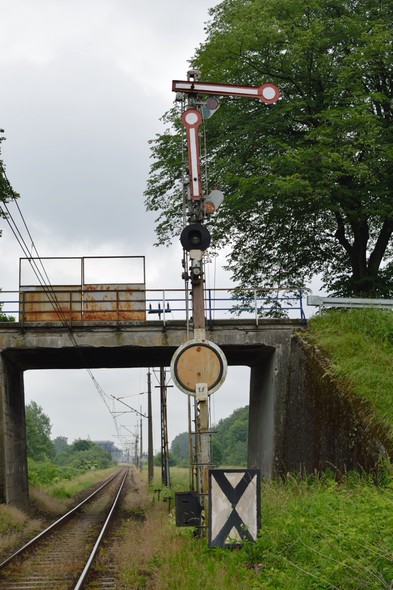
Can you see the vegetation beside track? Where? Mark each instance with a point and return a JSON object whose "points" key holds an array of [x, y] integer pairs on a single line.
{"points": [[317, 532], [47, 502], [358, 344]]}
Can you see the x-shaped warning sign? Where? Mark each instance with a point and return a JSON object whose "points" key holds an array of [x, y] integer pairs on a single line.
{"points": [[234, 513]]}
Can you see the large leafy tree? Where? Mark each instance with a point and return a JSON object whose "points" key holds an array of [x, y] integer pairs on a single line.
{"points": [[308, 180], [84, 454], [228, 444], [38, 432]]}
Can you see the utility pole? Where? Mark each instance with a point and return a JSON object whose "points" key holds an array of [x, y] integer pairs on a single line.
{"points": [[150, 472], [136, 450], [141, 439], [165, 473]]}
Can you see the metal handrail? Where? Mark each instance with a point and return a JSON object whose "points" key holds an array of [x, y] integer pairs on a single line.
{"points": [[162, 304]]}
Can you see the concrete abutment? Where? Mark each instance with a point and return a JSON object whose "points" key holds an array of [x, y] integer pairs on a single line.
{"points": [[293, 419]]}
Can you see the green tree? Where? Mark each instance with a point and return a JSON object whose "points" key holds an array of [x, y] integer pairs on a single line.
{"points": [[6, 191], [217, 454], [228, 444], [308, 180], [180, 447], [82, 445], [83, 455], [3, 316], [231, 440], [60, 444], [38, 431]]}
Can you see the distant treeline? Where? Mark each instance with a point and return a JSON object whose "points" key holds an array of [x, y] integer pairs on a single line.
{"points": [[228, 444], [49, 460]]}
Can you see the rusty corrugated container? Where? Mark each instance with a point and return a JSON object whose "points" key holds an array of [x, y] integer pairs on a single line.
{"points": [[114, 302], [59, 303], [88, 300], [98, 303]]}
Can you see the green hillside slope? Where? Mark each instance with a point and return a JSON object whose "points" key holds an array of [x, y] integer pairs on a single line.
{"points": [[358, 345]]}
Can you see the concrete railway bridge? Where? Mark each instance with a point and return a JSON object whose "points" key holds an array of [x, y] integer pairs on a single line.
{"points": [[294, 423]]}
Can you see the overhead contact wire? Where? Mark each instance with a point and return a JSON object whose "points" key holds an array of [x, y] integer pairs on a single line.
{"points": [[45, 283]]}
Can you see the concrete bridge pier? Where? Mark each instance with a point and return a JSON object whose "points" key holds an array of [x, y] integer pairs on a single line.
{"points": [[14, 487], [261, 414], [267, 348]]}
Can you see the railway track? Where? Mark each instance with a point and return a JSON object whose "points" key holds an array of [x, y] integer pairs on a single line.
{"points": [[62, 555]]}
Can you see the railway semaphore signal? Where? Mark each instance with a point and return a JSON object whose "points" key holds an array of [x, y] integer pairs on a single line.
{"points": [[194, 363]]}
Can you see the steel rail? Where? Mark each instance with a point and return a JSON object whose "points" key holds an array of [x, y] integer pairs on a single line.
{"points": [[93, 553], [55, 524]]}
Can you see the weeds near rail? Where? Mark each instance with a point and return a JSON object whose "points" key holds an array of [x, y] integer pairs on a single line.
{"points": [[316, 533], [49, 500], [68, 488], [14, 523]]}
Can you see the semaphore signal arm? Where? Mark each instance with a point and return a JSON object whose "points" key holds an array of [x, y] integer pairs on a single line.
{"points": [[268, 93], [192, 118]]}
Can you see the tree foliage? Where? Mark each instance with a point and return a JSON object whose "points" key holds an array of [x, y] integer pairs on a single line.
{"points": [[7, 193], [83, 455], [228, 444], [308, 180], [179, 450], [231, 439], [60, 443], [38, 431]]}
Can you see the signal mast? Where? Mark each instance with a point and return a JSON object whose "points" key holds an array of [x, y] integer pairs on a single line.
{"points": [[195, 237], [199, 367]]}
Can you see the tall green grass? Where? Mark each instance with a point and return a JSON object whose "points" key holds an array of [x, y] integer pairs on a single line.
{"points": [[70, 487], [359, 344], [316, 533]]}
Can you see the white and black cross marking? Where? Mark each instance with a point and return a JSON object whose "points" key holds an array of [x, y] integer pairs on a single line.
{"points": [[235, 506]]}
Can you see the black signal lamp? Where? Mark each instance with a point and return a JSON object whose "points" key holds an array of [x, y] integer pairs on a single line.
{"points": [[195, 237]]}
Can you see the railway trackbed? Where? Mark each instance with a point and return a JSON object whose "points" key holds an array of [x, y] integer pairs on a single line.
{"points": [[61, 556]]}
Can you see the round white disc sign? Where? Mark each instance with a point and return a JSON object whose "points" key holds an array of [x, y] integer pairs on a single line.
{"points": [[198, 362]]}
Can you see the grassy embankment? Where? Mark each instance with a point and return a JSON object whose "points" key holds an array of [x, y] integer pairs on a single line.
{"points": [[317, 533], [359, 346]]}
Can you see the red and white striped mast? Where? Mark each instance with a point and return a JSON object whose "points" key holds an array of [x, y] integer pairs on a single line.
{"points": [[195, 237]]}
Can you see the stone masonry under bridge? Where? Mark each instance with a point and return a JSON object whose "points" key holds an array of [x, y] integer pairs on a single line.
{"points": [[265, 348]]}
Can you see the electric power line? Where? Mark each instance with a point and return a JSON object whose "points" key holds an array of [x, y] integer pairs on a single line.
{"points": [[45, 283]]}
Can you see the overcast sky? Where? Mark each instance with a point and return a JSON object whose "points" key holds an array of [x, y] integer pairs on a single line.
{"points": [[83, 86]]}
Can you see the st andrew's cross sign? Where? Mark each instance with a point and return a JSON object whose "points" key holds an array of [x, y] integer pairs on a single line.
{"points": [[235, 506]]}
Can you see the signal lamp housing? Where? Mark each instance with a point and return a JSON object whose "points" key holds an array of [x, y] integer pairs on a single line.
{"points": [[213, 201], [195, 237]]}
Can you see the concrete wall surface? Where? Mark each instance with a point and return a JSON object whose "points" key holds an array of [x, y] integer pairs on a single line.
{"points": [[299, 420], [117, 345], [324, 424]]}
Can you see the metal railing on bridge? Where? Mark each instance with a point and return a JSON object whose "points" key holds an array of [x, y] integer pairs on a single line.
{"points": [[348, 302], [113, 289], [126, 303]]}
